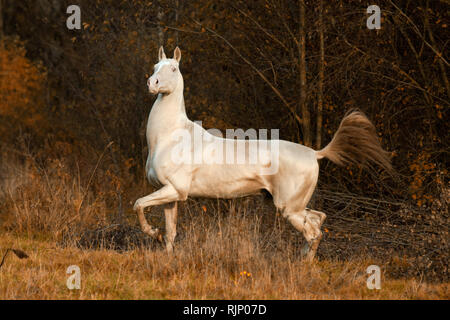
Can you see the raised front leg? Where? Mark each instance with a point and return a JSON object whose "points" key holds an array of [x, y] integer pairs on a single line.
{"points": [[170, 212], [164, 195]]}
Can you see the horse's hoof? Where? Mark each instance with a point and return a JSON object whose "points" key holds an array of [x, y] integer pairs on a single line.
{"points": [[159, 237], [305, 250]]}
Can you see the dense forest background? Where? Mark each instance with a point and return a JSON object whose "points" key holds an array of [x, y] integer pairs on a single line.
{"points": [[74, 104]]}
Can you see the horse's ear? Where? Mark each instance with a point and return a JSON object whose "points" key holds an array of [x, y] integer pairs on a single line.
{"points": [[177, 54], [161, 53]]}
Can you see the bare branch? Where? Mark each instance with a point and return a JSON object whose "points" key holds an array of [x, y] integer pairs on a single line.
{"points": [[258, 72]]}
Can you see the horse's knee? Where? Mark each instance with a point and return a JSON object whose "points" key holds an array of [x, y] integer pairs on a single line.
{"points": [[297, 220], [308, 222], [315, 217], [138, 205], [312, 232]]}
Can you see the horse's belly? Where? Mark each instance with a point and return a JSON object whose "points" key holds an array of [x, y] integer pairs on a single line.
{"points": [[225, 191], [224, 184]]}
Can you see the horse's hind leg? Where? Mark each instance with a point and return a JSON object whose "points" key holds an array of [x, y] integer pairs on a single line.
{"points": [[316, 216], [308, 222], [315, 219], [292, 197]]}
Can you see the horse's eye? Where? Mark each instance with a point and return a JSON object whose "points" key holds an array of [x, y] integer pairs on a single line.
{"points": [[173, 69]]}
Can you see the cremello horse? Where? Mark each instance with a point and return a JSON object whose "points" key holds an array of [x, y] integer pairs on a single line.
{"points": [[291, 186]]}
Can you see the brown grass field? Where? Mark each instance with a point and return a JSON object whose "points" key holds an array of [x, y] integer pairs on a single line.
{"points": [[236, 249], [74, 114], [211, 271]]}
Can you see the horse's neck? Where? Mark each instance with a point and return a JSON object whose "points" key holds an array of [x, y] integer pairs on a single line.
{"points": [[168, 108], [167, 115]]}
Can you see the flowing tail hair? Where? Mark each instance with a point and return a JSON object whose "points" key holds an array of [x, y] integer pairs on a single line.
{"points": [[356, 142]]}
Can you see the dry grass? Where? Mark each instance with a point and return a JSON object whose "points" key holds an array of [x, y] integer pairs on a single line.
{"points": [[224, 250], [46, 198], [195, 272]]}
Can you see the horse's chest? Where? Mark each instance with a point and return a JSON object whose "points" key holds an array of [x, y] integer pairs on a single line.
{"points": [[151, 173]]}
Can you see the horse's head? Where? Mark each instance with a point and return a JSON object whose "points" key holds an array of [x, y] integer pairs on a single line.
{"points": [[166, 75]]}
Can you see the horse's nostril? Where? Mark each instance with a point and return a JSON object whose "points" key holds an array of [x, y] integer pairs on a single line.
{"points": [[157, 81]]}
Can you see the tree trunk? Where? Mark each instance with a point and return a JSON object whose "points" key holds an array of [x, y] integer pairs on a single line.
{"points": [[177, 8], [1, 21], [433, 43], [321, 79], [160, 17], [306, 122]]}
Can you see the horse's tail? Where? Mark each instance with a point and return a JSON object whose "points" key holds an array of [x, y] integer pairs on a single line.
{"points": [[356, 142]]}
